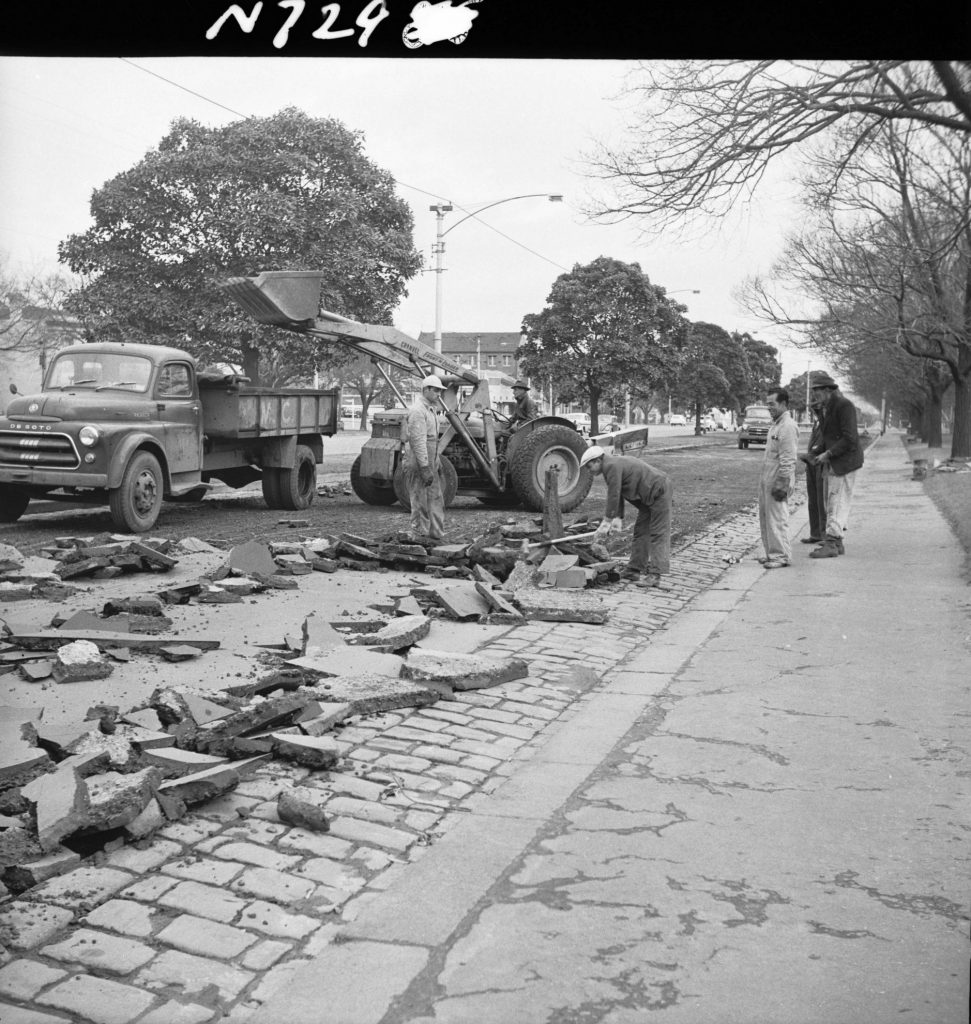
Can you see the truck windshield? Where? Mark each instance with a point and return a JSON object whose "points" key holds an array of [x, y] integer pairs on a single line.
{"points": [[98, 370]]}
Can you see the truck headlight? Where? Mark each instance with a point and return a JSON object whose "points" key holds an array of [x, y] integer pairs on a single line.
{"points": [[88, 435]]}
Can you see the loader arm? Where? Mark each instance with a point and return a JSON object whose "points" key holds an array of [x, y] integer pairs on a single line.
{"points": [[290, 300]]}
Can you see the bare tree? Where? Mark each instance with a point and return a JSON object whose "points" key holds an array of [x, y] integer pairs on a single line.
{"points": [[887, 260], [707, 131], [32, 315]]}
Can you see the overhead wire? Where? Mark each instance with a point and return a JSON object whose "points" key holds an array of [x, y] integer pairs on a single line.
{"points": [[397, 181]]}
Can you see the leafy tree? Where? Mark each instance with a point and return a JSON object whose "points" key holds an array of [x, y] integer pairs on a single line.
{"points": [[763, 370], [703, 381], [282, 192], [709, 130], [605, 327]]}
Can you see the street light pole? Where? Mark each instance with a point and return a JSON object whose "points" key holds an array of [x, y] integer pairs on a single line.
{"points": [[440, 209]]}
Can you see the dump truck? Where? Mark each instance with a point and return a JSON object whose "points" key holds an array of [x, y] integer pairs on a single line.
{"points": [[481, 457], [132, 425]]}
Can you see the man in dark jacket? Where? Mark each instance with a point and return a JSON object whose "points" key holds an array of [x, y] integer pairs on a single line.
{"points": [[649, 491], [815, 485], [841, 457], [526, 409]]}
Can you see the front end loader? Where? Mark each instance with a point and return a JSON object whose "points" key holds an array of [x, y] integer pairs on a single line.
{"points": [[480, 458]]}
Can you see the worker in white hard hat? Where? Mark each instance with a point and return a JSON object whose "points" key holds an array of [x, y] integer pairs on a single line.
{"points": [[421, 462], [649, 491]]}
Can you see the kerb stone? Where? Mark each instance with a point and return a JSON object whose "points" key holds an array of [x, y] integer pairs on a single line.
{"points": [[462, 671]]}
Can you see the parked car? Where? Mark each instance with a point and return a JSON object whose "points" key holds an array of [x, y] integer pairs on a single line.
{"points": [[755, 426], [708, 424], [677, 420], [580, 420]]}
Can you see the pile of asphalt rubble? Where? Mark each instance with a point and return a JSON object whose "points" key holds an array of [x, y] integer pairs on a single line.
{"points": [[70, 791]]}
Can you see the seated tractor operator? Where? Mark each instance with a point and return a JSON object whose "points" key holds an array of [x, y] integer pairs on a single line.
{"points": [[526, 408]]}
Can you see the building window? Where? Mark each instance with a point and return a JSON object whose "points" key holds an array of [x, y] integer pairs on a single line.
{"points": [[492, 360], [506, 360]]}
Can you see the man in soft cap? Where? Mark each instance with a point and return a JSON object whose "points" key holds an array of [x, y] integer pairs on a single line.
{"points": [[526, 408], [649, 491], [841, 457], [421, 462]]}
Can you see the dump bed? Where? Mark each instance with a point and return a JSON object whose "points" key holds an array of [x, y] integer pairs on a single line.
{"points": [[238, 411]]}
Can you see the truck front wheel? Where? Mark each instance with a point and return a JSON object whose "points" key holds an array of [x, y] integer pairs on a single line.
{"points": [[135, 505], [298, 486], [13, 503], [545, 447]]}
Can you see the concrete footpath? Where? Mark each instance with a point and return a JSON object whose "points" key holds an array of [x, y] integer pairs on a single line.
{"points": [[759, 816]]}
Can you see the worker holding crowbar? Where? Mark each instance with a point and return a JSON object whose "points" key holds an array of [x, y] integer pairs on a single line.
{"points": [[649, 491]]}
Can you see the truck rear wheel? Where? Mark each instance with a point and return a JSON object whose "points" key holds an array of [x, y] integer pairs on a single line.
{"points": [[298, 486], [545, 447], [13, 503], [135, 504], [446, 475], [367, 490]]}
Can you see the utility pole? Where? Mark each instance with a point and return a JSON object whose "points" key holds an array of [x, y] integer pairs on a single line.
{"points": [[440, 209]]}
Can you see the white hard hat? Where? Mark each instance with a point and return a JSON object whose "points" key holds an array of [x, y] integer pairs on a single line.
{"points": [[434, 381], [593, 452]]}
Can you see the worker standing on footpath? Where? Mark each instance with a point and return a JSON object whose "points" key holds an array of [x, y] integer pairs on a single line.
{"points": [[421, 462], [840, 458], [815, 480], [649, 491], [776, 482]]}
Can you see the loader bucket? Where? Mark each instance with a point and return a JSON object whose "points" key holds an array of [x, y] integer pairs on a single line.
{"points": [[280, 298]]}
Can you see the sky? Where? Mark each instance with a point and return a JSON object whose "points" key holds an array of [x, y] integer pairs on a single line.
{"points": [[469, 132]]}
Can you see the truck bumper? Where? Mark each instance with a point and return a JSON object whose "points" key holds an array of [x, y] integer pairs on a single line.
{"points": [[51, 478]]}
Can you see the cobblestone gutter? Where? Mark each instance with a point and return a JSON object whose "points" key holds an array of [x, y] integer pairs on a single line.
{"points": [[216, 914]]}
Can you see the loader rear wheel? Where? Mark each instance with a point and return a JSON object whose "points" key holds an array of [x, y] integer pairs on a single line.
{"points": [[446, 474], [13, 503], [554, 445], [136, 503], [367, 490], [298, 486]]}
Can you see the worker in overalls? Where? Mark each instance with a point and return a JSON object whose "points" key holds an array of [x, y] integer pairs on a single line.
{"points": [[421, 462]]}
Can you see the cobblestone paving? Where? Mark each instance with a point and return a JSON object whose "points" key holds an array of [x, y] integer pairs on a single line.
{"points": [[216, 914]]}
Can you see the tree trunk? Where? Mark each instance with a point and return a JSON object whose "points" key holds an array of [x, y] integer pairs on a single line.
{"points": [[933, 432], [961, 437], [251, 363], [594, 410], [365, 405]]}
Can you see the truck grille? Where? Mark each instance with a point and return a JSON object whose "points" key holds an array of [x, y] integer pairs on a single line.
{"points": [[45, 451]]}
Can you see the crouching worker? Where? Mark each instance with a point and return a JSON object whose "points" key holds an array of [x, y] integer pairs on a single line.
{"points": [[421, 462], [649, 491]]}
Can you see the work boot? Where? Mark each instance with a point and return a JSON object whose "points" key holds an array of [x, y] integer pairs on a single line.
{"points": [[650, 579], [830, 548], [627, 575]]}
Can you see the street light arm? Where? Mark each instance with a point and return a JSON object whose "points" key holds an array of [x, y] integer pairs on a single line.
{"points": [[499, 202]]}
